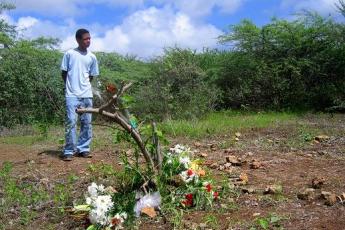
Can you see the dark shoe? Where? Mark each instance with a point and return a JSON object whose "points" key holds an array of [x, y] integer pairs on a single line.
{"points": [[68, 157], [84, 155]]}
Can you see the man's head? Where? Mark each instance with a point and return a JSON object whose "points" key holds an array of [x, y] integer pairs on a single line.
{"points": [[83, 38]]}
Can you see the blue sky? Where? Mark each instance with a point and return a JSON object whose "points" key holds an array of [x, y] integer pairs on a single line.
{"points": [[145, 27]]}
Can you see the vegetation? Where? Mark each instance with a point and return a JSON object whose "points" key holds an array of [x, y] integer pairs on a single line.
{"points": [[283, 65]]}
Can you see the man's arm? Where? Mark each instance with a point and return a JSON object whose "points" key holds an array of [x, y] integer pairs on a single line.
{"points": [[64, 76]]}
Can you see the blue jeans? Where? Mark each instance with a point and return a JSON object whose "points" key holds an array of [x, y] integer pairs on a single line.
{"points": [[85, 135]]}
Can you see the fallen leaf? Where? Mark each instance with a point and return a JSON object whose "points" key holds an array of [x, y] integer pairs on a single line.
{"points": [[244, 178], [150, 211]]}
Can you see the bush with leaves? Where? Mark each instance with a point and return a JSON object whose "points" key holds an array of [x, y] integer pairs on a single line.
{"points": [[177, 89]]}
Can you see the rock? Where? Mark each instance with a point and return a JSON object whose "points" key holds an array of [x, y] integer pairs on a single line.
{"points": [[248, 190], [197, 144], [325, 194], [317, 182], [273, 189], [321, 138], [256, 214], [227, 165], [202, 226], [214, 165], [204, 155], [236, 139], [331, 200], [255, 164], [244, 178], [213, 147], [221, 167], [249, 154], [307, 194], [233, 160], [238, 134], [229, 171]]}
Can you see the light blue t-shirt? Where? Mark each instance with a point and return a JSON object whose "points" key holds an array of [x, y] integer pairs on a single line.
{"points": [[79, 66]]}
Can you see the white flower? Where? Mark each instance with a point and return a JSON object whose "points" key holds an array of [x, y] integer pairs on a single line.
{"points": [[185, 161], [178, 149], [93, 189], [101, 188], [103, 202], [88, 200], [189, 176], [98, 216]]}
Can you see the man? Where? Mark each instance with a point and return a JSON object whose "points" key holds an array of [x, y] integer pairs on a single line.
{"points": [[78, 67]]}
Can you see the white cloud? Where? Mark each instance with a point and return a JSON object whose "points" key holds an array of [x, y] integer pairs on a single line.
{"points": [[26, 22], [145, 33]]}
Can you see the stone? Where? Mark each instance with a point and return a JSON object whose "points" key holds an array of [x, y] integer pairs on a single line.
{"points": [[317, 182], [238, 134], [331, 200], [244, 178], [197, 144], [248, 190], [227, 165], [255, 164], [273, 189], [321, 138], [307, 194], [250, 154], [233, 160], [214, 165], [204, 155], [325, 194]]}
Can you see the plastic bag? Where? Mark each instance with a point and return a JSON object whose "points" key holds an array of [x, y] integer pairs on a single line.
{"points": [[149, 200]]}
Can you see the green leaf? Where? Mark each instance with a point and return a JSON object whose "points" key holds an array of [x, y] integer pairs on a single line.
{"points": [[91, 227], [274, 219], [81, 208], [263, 223]]}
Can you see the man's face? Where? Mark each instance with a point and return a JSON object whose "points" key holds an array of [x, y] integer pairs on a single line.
{"points": [[85, 40]]}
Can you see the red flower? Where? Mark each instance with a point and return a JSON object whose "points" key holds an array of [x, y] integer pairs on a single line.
{"points": [[190, 172], [215, 195], [208, 187], [187, 203], [189, 196], [189, 200]]}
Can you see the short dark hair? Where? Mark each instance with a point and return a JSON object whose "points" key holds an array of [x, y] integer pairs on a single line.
{"points": [[80, 32]]}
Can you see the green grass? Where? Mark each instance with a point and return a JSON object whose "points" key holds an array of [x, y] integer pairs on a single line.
{"points": [[224, 122]]}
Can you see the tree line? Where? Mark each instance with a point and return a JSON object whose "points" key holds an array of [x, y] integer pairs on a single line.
{"points": [[283, 65]]}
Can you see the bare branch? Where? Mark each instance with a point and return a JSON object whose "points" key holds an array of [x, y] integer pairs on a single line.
{"points": [[118, 118]]}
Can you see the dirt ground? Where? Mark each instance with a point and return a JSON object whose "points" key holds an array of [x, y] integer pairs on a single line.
{"points": [[284, 159]]}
